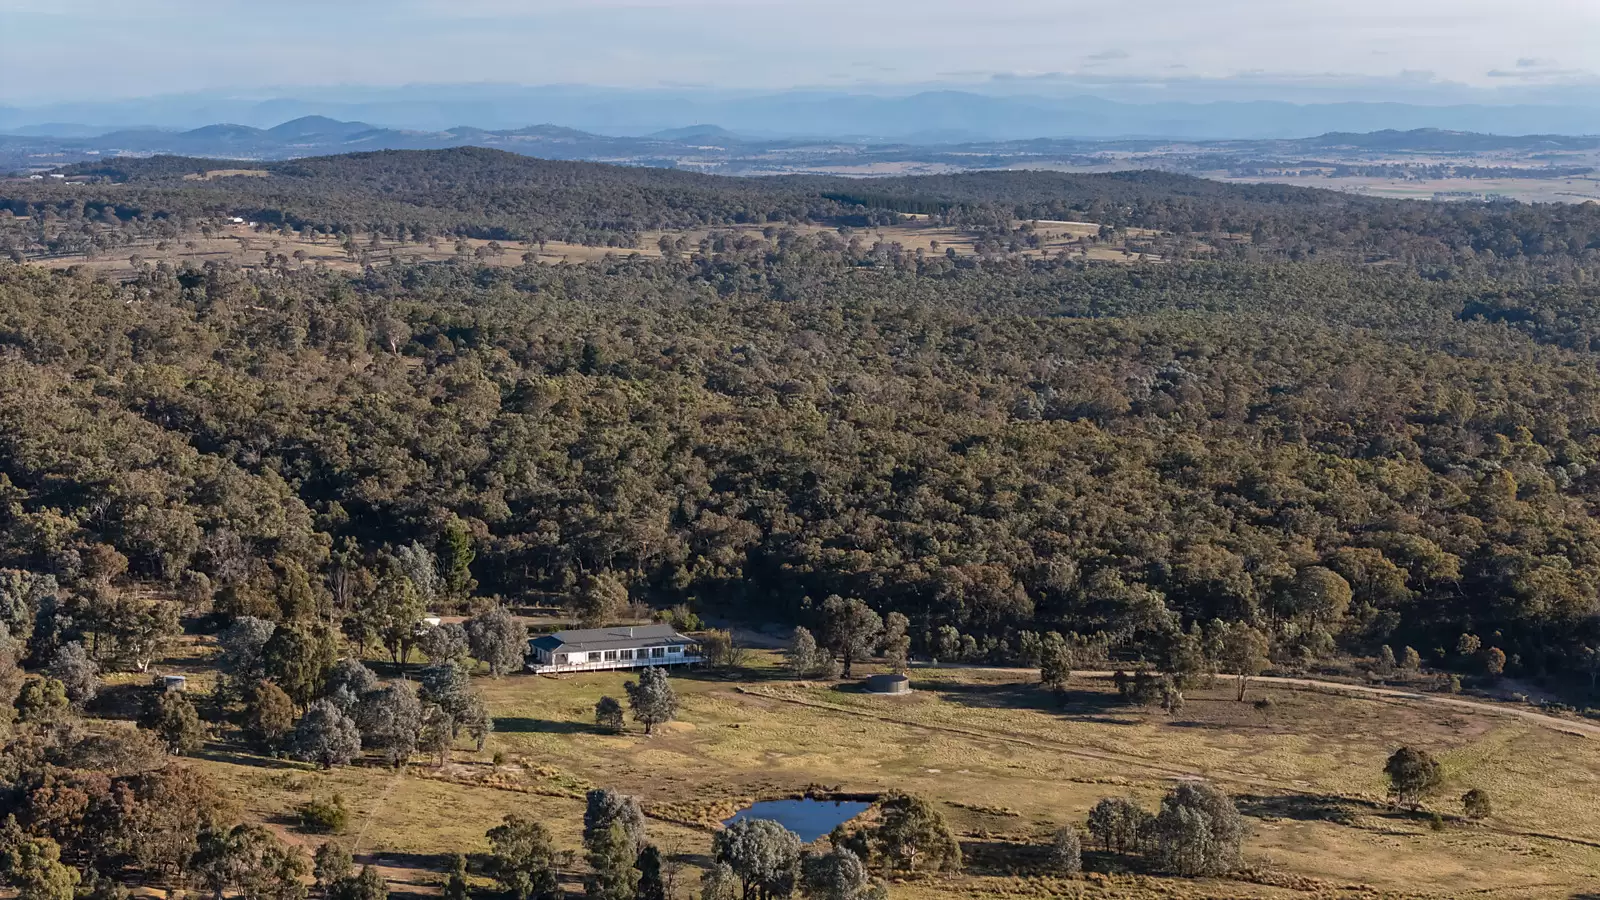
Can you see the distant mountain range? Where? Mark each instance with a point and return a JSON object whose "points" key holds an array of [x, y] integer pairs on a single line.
{"points": [[937, 114], [713, 148], [321, 136], [1542, 165], [305, 136], [1435, 140]]}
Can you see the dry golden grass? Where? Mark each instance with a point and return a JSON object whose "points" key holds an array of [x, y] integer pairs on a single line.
{"points": [[214, 174], [1011, 766], [248, 248], [243, 246], [1579, 189]]}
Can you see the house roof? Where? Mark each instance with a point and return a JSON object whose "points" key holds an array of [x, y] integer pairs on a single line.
{"points": [[621, 637]]}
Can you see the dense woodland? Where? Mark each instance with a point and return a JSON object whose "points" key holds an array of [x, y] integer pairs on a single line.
{"points": [[480, 193], [1325, 427], [999, 445]]}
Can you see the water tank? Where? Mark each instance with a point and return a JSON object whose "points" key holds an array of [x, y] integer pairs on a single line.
{"points": [[888, 684]]}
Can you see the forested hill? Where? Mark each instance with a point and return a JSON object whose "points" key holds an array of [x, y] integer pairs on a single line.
{"points": [[493, 194], [1341, 457], [1343, 422]]}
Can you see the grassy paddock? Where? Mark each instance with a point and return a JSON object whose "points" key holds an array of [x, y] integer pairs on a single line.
{"points": [[1011, 764], [243, 246]]}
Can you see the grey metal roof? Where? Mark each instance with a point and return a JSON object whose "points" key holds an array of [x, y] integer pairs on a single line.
{"points": [[618, 638]]}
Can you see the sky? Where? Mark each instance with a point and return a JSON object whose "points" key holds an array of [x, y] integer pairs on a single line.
{"points": [[71, 50]]}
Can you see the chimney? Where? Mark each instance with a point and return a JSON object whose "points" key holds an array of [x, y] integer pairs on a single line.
{"points": [[630, 631]]}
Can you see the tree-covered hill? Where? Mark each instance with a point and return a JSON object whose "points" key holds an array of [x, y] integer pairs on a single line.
{"points": [[493, 194], [998, 447]]}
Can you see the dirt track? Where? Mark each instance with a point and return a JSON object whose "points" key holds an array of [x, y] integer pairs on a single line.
{"points": [[1578, 727], [1570, 726], [1237, 779]]}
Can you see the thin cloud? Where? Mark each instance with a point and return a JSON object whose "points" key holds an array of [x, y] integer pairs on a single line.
{"points": [[191, 45], [1534, 69]]}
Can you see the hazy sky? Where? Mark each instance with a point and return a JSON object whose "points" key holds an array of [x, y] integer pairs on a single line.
{"points": [[100, 49]]}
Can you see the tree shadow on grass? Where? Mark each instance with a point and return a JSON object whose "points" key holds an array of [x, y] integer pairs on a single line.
{"points": [[1205, 726], [1115, 863], [224, 753], [730, 676], [120, 701], [1305, 807], [1327, 808], [526, 725], [700, 860], [292, 822], [999, 857], [387, 669], [1090, 705], [394, 859], [989, 856]]}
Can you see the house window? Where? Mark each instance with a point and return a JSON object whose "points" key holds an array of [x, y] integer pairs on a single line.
{"points": [[611, 655], [561, 659], [675, 651], [625, 654], [657, 652]]}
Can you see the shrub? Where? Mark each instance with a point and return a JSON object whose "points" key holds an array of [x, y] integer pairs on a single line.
{"points": [[718, 649], [1476, 805], [268, 714], [79, 674], [1066, 852], [324, 815], [608, 714], [173, 718], [680, 617]]}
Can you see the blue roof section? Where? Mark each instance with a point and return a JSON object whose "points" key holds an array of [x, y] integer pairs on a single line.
{"points": [[618, 638]]}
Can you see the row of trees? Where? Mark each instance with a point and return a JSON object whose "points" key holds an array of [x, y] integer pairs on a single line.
{"points": [[852, 631], [1198, 831], [356, 712]]}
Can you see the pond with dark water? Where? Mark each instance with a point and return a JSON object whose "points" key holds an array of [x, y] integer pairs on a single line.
{"points": [[807, 817]]}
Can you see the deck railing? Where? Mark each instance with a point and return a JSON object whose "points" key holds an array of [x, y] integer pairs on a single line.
{"points": [[681, 659]]}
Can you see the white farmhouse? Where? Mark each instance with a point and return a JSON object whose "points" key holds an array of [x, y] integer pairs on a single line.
{"points": [[623, 647]]}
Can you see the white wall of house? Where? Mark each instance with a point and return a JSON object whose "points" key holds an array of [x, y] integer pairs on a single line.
{"points": [[622, 658]]}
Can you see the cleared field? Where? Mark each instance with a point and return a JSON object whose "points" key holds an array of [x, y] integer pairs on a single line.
{"points": [[226, 173], [1010, 764], [1582, 189], [246, 247]]}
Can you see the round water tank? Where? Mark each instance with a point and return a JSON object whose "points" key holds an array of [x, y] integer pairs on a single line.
{"points": [[888, 684]]}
